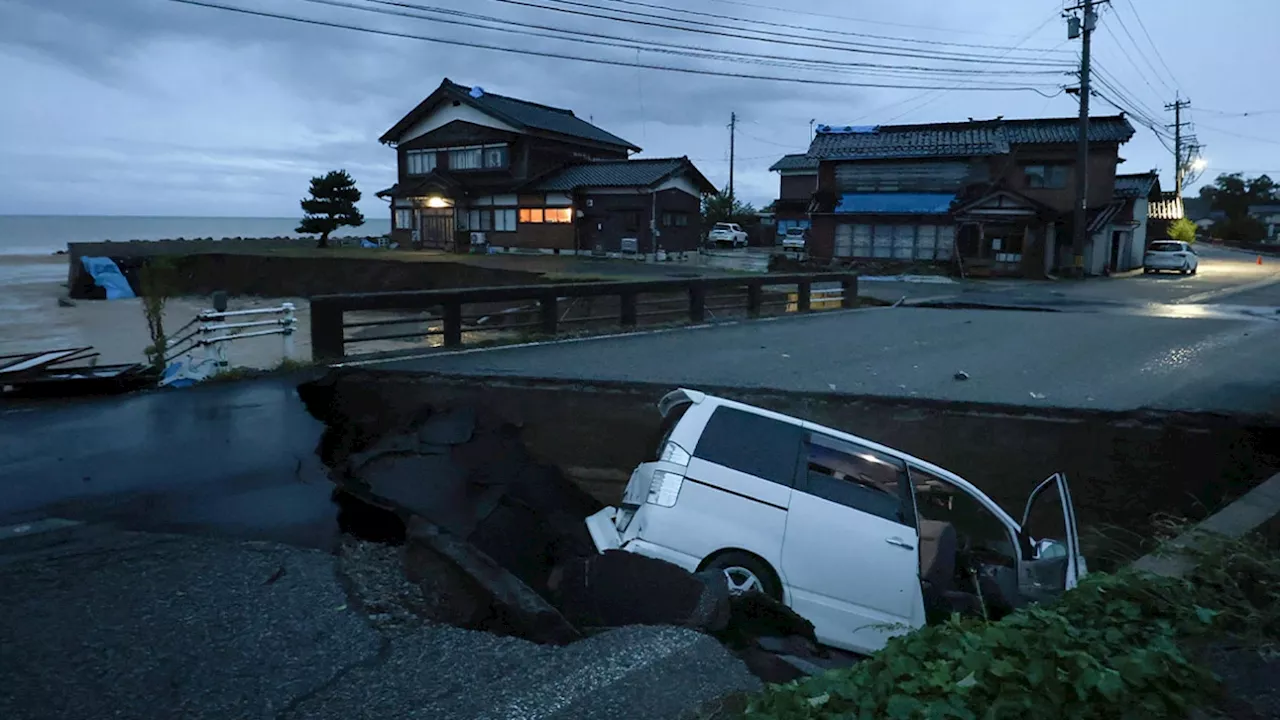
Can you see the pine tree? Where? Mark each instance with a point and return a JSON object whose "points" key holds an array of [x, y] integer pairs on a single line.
{"points": [[332, 205]]}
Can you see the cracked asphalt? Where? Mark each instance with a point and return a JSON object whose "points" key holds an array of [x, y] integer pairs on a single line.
{"points": [[97, 623]]}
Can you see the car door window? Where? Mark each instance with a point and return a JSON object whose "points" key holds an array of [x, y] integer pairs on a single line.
{"points": [[860, 478], [751, 443]]}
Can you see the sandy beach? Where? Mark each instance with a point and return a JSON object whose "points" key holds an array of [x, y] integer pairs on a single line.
{"points": [[31, 318]]}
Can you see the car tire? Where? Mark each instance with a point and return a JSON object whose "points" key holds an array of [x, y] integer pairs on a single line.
{"points": [[1195, 269], [745, 572]]}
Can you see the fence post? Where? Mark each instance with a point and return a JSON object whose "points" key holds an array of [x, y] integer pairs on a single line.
{"points": [[550, 313], [755, 299], [326, 331], [803, 293], [289, 322], [628, 300], [849, 292], [697, 302], [452, 323]]}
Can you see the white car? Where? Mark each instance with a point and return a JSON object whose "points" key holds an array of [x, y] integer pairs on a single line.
{"points": [[794, 239], [730, 234], [1170, 255], [856, 537]]}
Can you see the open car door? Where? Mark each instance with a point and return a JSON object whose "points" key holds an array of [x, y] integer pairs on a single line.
{"points": [[1052, 563]]}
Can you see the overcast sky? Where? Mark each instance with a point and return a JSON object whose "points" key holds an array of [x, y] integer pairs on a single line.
{"points": [[149, 107]]}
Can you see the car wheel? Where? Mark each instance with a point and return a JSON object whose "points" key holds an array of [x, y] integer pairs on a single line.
{"points": [[1194, 269], [746, 573]]}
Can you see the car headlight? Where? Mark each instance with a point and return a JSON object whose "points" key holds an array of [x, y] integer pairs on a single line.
{"points": [[664, 489], [673, 453]]}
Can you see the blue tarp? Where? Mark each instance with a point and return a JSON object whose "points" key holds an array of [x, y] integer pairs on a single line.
{"points": [[895, 203], [107, 276]]}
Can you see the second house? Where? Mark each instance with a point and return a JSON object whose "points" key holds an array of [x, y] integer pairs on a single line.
{"points": [[479, 169]]}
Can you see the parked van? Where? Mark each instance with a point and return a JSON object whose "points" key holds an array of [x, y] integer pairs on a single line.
{"points": [[856, 537]]}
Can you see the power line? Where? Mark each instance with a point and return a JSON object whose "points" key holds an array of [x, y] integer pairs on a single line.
{"points": [[1141, 74], [577, 58], [788, 39], [810, 13], [1129, 35], [1124, 93], [591, 38], [811, 28], [1255, 138], [1154, 47], [1247, 113]]}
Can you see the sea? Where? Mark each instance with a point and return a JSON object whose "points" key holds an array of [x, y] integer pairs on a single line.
{"points": [[46, 234]]}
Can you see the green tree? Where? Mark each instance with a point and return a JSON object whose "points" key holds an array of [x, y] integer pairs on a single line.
{"points": [[332, 205], [157, 282], [1233, 194], [719, 208], [1183, 229]]}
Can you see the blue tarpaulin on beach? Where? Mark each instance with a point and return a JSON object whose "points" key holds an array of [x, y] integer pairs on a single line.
{"points": [[107, 276]]}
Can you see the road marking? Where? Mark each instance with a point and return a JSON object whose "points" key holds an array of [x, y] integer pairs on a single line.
{"points": [[1226, 292], [21, 530]]}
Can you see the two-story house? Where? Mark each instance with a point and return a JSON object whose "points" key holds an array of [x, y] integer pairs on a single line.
{"points": [[797, 181], [996, 194], [473, 166]]}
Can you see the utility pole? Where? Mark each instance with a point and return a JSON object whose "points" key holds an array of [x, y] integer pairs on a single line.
{"points": [[1176, 106], [1080, 217], [733, 126]]}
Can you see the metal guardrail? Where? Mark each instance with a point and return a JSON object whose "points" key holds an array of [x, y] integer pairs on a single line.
{"points": [[546, 302], [203, 332]]}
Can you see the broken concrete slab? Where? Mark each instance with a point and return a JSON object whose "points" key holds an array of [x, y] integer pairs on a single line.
{"points": [[617, 588], [509, 607]]}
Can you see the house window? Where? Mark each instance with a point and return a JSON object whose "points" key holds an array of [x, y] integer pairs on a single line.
{"points": [[404, 219], [466, 159], [420, 162], [675, 219], [479, 220], [631, 219], [1046, 176], [495, 157], [504, 220], [531, 215], [559, 215]]}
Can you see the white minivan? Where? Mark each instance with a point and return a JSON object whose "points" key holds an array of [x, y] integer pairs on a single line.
{"points": [[854, 536]]}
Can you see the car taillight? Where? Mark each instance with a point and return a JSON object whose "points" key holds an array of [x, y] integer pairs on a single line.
{"points": [[673, 453], [664, 489]]}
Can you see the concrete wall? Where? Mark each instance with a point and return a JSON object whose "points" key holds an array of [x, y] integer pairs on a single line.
{"points": [[1123, 467]]}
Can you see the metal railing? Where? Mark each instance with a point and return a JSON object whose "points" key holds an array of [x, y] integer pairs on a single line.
{"points": [[203, 333], [545, 309]]}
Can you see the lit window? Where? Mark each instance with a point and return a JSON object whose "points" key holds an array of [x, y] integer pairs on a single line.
{"points": [[504, 220], [470, 159], [404, 219], [559, 215], [420, 162], [531, 215]]}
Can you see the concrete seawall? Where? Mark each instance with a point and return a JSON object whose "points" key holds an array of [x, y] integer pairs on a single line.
{"points": [[1123, 467]]}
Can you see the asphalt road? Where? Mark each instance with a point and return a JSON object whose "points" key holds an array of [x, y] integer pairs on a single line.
{"points": [[1116, 361]]}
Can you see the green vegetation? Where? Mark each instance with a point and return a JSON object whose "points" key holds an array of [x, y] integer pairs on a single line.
{"points": [[1121, 645], [1183, 229], [332, 205], [157, 281], [721, 208], [1232, 195]]}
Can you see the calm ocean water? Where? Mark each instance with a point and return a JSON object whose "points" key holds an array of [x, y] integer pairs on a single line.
{"points": [[45, 234]]}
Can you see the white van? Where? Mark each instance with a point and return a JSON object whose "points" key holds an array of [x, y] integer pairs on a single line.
{"points": [[852, 535]]}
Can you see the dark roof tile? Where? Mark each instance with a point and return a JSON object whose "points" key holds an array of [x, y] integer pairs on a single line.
{"points": [[1136, 186], [619, 173], [964, 139], [795, 161]]}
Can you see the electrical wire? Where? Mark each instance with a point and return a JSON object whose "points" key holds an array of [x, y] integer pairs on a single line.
{"points": [[509, 26], [811, 28], [1145, 59], [1127, 56], [1154, 47], [810, 13], [1255, 138], [1119, 89], [790, 40], [576, 58]]}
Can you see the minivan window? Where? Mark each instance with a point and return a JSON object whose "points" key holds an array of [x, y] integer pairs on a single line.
{"points": [[860, 478], [1166, 247], [668, 426], [751, 443]]}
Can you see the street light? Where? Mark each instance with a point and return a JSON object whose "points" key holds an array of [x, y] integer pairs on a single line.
{"points": [[1199, 164]]}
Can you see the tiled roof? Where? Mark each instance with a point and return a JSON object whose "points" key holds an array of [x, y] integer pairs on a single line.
{"points": [[1168, 207], [620, 173], [964, 139], [1263, 209], [795, 161], [895, 203], [1135, 186], [520, 113]]}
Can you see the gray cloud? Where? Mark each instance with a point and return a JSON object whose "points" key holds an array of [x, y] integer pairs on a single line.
{"points": [[151, 107]]}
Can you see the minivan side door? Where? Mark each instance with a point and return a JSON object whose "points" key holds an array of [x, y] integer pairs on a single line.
{"points": [[849, 552]]}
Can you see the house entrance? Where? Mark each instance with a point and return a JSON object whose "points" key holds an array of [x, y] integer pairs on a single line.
{"points": [[435, 228]]}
